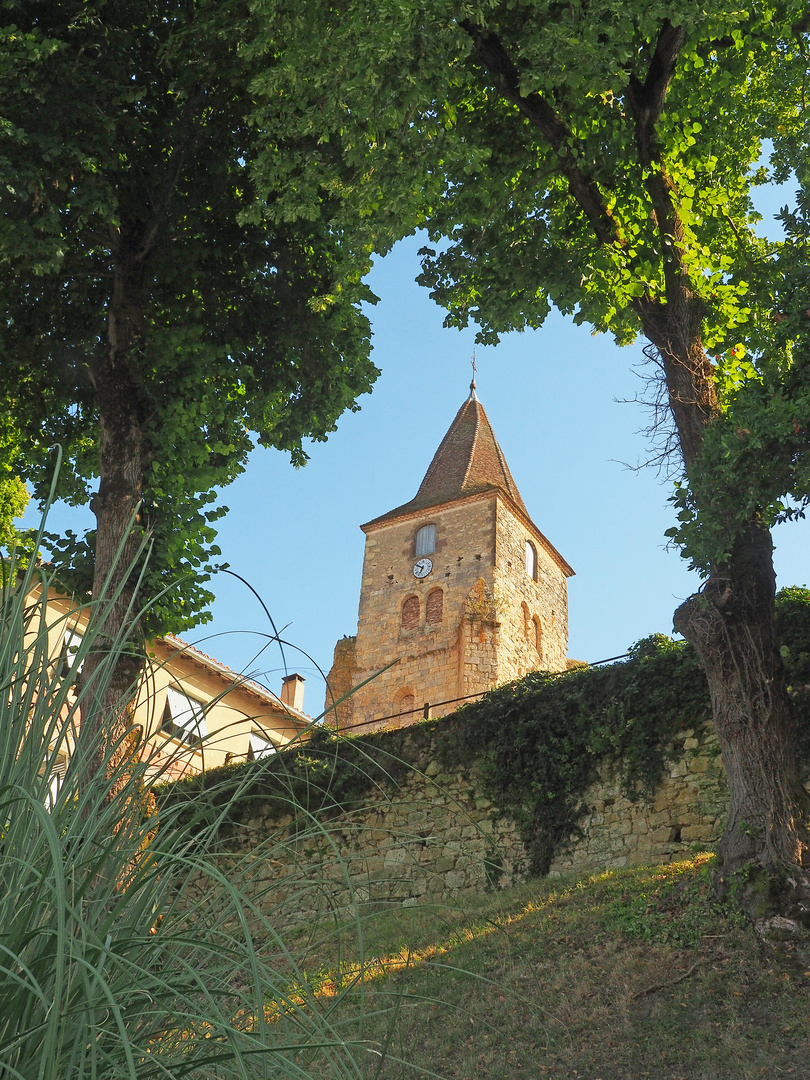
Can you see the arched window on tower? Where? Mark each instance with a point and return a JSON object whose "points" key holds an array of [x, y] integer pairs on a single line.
{"points": [[531, 560], [410, 613], [426, 540], [527, 622], [435, 606], [538, 636]]}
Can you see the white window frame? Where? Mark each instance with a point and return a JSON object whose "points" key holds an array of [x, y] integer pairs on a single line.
{"points": [[261, 745], [70, 646], [186, 721], [58, 770]]}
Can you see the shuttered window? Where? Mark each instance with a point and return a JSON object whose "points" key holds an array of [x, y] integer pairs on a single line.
{"points": [[426, 540], [183, 718], [70, 649], [260, 746]]}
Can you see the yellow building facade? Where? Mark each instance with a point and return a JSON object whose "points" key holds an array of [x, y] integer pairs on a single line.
{"points": [[460, 592], [194, 713]]}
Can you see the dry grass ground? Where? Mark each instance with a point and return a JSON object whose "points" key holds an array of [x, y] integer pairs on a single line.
{"points": [[627, 975]]}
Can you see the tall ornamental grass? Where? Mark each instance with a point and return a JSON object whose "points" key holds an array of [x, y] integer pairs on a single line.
{"points": [[111, 964]]}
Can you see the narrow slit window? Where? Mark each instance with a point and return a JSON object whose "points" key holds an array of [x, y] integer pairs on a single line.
{"points": [[426, 540], [405, 703], [538, 636], [531, 560]]}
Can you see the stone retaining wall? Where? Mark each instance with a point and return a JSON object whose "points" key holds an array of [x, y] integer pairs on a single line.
{"points": [[435, 836], [688, 809]]}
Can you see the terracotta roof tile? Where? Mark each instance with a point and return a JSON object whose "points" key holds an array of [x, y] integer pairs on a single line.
{"points": [[469, 460]]}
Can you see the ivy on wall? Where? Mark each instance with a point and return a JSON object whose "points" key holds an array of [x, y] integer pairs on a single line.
{"points": [[793, 631], [537, 743]]}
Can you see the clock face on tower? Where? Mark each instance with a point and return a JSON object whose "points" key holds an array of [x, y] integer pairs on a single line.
{"points": [[422, 568]]}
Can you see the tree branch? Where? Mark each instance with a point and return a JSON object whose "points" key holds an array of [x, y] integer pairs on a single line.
{"points": [[674, 327], [494, 57], [159, 204], [646, 100]]}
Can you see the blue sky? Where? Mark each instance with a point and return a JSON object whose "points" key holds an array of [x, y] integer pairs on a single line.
{"points": [[556, 401]]}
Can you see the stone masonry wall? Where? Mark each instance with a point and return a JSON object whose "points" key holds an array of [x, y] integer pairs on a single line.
{"points": [[689, 808], [435, 836], [545, 599], [482, 638], [429, 656], [340, 680]]}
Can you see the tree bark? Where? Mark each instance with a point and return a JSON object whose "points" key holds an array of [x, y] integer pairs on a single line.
{"points": [[122, 452], [764, 853]]}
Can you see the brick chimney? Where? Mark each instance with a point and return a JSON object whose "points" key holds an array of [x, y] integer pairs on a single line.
{"points": [[292, 691]]}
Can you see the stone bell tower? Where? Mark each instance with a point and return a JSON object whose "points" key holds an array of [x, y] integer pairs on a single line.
{"points": [[460, 591]]}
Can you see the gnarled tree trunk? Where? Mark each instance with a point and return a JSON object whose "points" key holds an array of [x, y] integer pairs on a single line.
{"points": [[764, 852], [731, 623]]}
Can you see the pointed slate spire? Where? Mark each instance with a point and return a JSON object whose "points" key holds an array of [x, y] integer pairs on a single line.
{"points": [[469, 460]]}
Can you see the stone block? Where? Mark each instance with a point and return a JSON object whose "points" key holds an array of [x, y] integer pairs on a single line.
{"points": [[692, 833], [396, 856]]}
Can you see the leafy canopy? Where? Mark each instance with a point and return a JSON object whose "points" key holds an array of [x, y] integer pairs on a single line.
{"points": [[595, 157], [129, 129]]}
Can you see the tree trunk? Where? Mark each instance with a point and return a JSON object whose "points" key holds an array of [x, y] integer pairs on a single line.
{"points": [[731, 623], [764, 854], [122, 452]]}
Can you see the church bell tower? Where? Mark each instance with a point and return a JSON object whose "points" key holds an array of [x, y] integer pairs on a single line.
{"points": [[460, 592]]}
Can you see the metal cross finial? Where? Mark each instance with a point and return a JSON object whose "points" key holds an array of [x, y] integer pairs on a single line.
{"points": [[473, 396]]}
